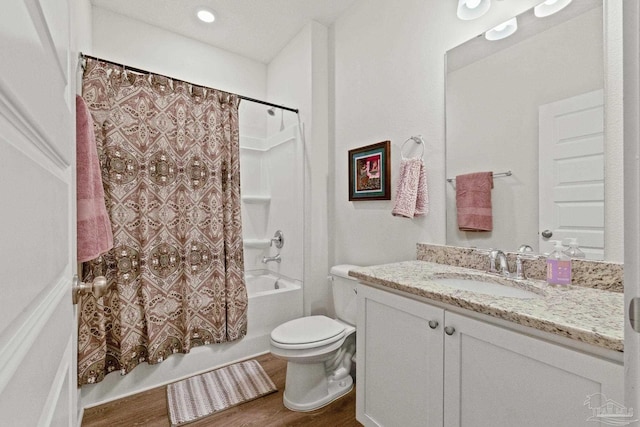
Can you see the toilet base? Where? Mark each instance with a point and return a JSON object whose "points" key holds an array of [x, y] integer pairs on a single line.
{"points": [[334, 390]]}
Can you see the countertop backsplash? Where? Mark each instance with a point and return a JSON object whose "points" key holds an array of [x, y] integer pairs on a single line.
{"points": [[604, 275]]}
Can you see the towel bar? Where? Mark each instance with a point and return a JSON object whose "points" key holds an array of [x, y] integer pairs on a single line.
{"points": [[507, 173]]}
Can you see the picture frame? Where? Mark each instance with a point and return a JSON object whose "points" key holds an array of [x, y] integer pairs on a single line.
{"points": [[370, 172]]}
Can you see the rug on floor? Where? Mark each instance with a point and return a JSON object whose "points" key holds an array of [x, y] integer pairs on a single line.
{"points": [[211, 392]]}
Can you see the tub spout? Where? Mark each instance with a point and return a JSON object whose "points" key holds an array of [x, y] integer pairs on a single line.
{"points": [[275, 258]]}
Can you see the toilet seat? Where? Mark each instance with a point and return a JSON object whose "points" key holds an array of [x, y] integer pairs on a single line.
{"points": [[307, 332]]}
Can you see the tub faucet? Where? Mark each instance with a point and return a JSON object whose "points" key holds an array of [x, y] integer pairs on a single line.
{"points": [[501, 258], [275, 258]]}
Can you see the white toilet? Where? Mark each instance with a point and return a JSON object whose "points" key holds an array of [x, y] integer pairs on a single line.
{"points": [[319, 350]]}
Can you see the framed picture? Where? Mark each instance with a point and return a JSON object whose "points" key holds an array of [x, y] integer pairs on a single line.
{"points": [[369, 172]]}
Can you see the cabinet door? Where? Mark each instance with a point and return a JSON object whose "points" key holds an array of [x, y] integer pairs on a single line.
{"points": [[496, 377], [399, 365]]}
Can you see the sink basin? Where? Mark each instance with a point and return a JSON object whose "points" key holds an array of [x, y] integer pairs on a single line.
{"points": [[482, 286]]}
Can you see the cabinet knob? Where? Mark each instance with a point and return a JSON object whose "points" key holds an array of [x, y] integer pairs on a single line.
{"points": [[433, 324], [449, 330]]}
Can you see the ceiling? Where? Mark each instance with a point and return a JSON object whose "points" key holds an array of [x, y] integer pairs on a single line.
{"points": [[256, 29]]}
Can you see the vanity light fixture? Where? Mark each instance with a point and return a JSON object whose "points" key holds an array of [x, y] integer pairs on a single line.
{"points": [[472, 9], [205, 15], [503, 30], [549, 7]]}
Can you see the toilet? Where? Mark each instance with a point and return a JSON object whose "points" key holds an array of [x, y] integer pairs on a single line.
{"points": [[319, 350]]}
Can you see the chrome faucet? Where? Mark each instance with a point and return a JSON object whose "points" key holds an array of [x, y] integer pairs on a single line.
{"points": [[496, 255], [275, 258]]}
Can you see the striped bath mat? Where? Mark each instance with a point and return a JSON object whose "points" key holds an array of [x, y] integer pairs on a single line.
{"points": [[211, 392]]}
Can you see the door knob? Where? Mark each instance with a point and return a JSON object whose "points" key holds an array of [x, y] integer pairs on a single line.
{"points": [[547, 234], [634, 314], [98, 287], [449, 330], [433, 324]]}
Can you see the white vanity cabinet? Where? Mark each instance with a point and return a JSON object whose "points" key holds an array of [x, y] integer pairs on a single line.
{"points": [[467, 372], [399, 367], [499, 377]]}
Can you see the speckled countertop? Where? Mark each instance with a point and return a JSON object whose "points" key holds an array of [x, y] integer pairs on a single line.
{"points": [[589, 315]]}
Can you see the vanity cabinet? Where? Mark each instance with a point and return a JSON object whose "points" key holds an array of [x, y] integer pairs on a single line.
{"points": [[460, 371], [399, 368]]}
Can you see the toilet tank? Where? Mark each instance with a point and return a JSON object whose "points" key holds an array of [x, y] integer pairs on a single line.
{"points": [[344, 293]]}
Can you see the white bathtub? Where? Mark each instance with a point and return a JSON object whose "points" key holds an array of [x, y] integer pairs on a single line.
{"points": [[273, 300]]}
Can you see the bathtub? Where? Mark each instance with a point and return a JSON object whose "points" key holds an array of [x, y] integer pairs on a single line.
{"points": [[273, 300], [264, 282]]}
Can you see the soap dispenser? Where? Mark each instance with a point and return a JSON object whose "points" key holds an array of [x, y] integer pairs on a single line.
{"points": [[574, 251], [558, 266]]}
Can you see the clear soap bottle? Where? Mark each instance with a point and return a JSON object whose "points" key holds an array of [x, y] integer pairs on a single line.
{"points": [[558, 266], [574, 251]]}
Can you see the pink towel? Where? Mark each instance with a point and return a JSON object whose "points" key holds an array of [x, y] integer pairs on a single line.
{"points": [[412, 198], [473, 201], [95, 236]]}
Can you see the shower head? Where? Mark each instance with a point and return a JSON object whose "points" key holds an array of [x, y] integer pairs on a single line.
{"points": [[271, 111]]}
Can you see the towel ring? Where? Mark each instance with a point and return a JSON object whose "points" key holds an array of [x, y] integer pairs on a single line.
{"points": [[418, 140]]}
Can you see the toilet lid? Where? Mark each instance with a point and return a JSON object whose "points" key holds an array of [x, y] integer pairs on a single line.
{"points": [[306, 330]]}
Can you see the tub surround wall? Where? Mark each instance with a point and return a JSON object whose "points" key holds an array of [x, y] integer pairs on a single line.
{"points": [[607, 276], [268, 166]]}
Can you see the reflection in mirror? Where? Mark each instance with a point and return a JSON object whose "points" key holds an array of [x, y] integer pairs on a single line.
{"points": [[503, 99]]}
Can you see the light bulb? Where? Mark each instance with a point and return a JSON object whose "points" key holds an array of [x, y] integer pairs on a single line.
{"points": [[503, 30], [206, 15], [501, 27], [472, 4], [549, 7], [472, 9]]}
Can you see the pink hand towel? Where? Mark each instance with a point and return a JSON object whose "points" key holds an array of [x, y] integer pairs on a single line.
{"points": [[473, 201], [412, 198], [95, 236]]}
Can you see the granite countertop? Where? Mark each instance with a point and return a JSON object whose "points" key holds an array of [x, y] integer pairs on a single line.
{"points": [[589, 315]]}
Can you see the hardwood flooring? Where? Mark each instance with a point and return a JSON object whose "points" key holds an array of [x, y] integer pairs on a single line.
{"points": [[149, 409]]}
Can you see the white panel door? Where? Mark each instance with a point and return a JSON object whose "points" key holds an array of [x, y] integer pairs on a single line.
{"points": [[37, 228], [571, 172]]}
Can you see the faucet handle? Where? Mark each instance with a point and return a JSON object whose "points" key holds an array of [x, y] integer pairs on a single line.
{"points": [[525, 248], [278, 239], [520, 257]]}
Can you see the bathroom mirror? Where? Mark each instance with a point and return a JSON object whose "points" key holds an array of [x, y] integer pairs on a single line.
{"points": [[496, 96]]}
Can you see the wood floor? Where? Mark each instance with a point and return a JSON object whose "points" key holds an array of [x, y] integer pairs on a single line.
{"points": [[149, 409]]}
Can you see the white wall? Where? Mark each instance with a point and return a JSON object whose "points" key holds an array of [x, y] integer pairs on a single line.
{"points": [[492, 121], [298, 78], [121, 39], [389, 84]]}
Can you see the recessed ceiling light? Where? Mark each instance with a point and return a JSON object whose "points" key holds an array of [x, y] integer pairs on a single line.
{"points": [[206, 15]]}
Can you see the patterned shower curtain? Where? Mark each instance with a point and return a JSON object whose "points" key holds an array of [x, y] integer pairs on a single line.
{"points": [[169, 154]]}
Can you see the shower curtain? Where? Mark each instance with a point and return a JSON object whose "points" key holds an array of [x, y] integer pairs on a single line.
{"points": [[169, 154]]}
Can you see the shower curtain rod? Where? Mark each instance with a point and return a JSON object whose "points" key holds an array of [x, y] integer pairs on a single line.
{"points": [[141, 71]]}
